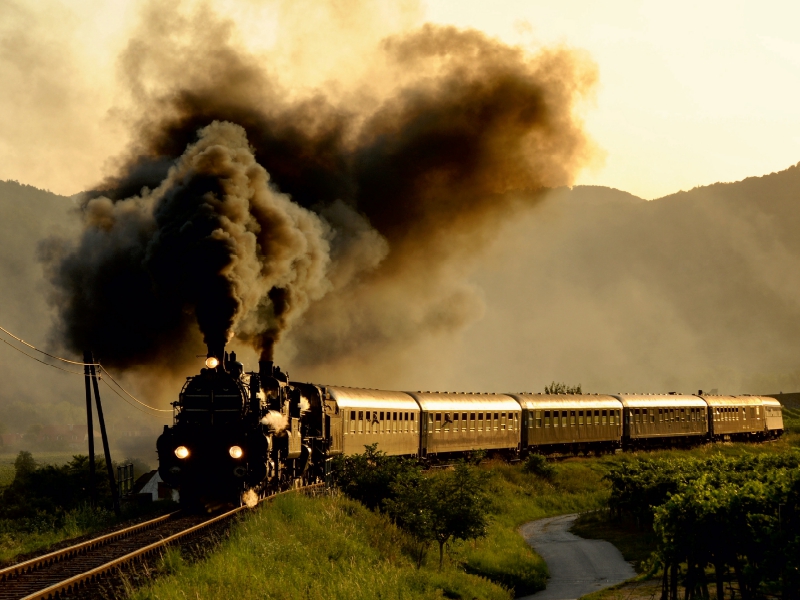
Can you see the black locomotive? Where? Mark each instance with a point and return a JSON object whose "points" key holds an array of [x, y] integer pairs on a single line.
{"points": [[239, 435]]}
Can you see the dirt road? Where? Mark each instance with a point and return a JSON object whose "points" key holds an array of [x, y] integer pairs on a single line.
{"points": [[577, 566]]}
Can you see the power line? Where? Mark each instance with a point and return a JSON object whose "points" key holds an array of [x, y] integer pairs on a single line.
{"points": [[37, 360], [131, 395], [129, 403], [96, 364], [72, 362]]}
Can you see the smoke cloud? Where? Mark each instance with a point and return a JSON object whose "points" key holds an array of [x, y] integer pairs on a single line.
{"points": [[347, 217]]}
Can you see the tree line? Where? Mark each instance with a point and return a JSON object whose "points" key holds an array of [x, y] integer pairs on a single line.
{"points": [[737, 518]]}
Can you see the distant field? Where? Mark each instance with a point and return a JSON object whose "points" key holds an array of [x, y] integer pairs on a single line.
{"points": [[42, 458]]}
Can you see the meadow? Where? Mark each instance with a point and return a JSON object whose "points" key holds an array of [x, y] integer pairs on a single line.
{"points": [[333, 547]]}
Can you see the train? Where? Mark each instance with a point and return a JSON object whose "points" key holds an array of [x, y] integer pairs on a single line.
{"points": [[238, 435]]}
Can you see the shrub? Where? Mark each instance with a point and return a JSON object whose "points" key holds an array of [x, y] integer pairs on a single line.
{"points": [[537, 464]]}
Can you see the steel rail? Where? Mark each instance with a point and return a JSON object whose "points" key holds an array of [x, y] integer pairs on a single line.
{"points": [[74, 583], [56, 556]]}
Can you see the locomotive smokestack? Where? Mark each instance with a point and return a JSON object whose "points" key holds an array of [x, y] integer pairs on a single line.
{"points": [[217, 351], [265, 368]]}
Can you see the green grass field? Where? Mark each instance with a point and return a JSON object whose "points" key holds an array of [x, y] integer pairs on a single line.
{"points": [[331, 547], [316, 548], [42, 458]]}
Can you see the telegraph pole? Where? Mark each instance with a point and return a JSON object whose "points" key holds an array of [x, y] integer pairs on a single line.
{"points": [[112, 482], [87, 359]]}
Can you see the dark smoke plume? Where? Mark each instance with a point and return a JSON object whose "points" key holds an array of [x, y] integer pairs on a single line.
{"points": [[248, 210]]}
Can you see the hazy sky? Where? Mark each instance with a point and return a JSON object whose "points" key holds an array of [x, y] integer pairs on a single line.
{"points": [[689, 93]]}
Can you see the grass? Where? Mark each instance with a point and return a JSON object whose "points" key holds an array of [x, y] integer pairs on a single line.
{"points": [[519, 497], [19, 537], [317, 548], [331, 547], [23, 536]]}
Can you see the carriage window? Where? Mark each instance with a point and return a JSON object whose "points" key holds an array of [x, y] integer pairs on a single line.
{"points": [[572, 417], [605, 414], [538, 419], [546, 419], [611, 417], [480, 421], [580, 417]]}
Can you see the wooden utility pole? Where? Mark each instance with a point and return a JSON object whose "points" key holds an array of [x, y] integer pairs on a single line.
{"points": [[112, 482], [87, 358]]}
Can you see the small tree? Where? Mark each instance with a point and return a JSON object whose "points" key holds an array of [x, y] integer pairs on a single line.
{"points": [[460, 505], [368, 477], [24, 465], [411, 508], [562, 388], [538, 465]]}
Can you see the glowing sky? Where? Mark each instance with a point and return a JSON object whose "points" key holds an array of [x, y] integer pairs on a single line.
{"points": [[690, 93]]}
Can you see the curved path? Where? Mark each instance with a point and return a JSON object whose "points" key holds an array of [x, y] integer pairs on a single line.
{"points": [[577, 566]]}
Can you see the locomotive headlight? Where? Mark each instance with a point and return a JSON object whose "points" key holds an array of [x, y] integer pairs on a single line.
{"points": [[212, 362], [181, 452], [235, 452]]}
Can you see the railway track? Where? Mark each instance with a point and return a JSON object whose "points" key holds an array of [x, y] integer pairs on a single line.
{"points": [[65, 572]]}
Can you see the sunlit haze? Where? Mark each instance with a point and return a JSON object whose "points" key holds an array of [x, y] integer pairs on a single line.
{"points": [[688, 94]]}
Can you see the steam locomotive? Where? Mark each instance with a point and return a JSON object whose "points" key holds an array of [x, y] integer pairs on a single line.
{"points": [[237, 436]]}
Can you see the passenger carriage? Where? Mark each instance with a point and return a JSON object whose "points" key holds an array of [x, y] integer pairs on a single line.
{"points": [[457, 423], [662, 419], [734, 417], [570, 423], [388, 419]]}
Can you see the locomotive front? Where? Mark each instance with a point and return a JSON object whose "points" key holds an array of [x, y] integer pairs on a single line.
{"points": [[217, 448]]}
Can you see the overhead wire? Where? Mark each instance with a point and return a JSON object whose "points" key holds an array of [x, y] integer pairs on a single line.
{"points": [[38, 360], [72, 362], [102, 368], [127, 401], [84, 364]]}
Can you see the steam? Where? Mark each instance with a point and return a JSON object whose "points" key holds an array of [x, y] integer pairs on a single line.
{"points": [[346, 217], [250, 499], [276, 421]]}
